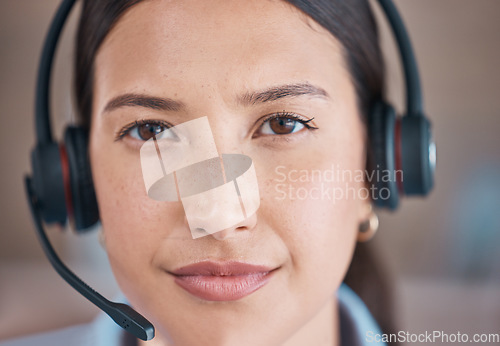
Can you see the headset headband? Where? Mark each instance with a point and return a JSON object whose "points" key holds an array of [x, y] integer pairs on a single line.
{"points": [[414, 104]]}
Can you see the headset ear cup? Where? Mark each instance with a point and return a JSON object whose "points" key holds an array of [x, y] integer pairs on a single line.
{"points": [[418, 155], [381, 156], [48, 182], [84, 202]]}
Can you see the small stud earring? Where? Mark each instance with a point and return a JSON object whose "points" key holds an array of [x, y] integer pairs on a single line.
{"points": [[368, 228]]}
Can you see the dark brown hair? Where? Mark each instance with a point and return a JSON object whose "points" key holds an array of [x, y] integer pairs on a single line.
{"points": [[352, 23]]}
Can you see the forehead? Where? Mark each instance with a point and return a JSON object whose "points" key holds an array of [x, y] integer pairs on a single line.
{"points": [[225, 40]]}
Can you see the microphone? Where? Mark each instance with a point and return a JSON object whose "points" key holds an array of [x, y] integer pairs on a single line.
{"points": [[122, 314]]}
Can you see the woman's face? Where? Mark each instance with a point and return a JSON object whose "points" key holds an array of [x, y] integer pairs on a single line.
{"points": [[237, 63]]}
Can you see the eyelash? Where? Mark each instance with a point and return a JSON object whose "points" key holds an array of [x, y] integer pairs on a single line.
{"points": [[280, 115], [291, 116], [127, 128]]}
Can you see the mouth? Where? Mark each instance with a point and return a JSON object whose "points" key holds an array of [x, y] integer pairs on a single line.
{"points": [[224, 281]]}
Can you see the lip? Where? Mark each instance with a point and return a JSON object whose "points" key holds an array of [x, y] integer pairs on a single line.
{"points": [[224, 281]]}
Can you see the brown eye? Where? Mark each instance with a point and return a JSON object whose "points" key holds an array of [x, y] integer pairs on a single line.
{"points": [[147, 131], [283, 126], [143, 130]]}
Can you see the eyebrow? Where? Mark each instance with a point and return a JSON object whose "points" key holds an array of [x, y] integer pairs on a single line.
{"points": [[251, 98], [139, 100], [283, 91]]}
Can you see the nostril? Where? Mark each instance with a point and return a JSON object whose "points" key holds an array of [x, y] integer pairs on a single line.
{"points": [[200, 230]]}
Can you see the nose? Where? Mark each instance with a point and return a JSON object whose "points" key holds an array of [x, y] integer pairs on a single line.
{"points": [[244, 226], [219, 192], [220, 210], [224, 205]]}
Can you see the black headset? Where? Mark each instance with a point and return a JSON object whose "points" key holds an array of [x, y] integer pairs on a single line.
{"points": [[61, 186]]}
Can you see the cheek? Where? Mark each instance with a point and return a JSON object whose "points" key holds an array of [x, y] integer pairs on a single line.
{"points": [[133, 223], [319, 230], [314, 206]]}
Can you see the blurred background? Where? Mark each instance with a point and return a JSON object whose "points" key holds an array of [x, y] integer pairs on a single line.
{"points": [[442, 252]]}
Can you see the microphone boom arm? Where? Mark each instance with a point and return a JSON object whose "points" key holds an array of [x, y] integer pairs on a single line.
{"points": [[122, 314]]}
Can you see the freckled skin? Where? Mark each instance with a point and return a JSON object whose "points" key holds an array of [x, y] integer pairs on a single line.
{"points": [[205, 54]]}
